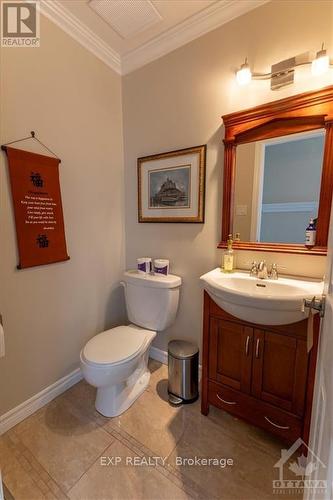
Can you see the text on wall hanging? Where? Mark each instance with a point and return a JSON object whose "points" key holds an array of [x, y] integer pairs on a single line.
{"points": [[38, 210]]}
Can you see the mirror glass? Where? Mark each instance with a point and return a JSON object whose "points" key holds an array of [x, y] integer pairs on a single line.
{"points": [[277, 187]]}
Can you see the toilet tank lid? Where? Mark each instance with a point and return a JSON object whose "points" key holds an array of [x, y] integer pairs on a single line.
{"points": [[152, 280]]}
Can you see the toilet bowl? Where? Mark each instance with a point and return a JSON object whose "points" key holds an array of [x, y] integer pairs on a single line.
{"points": [[116, 360]]}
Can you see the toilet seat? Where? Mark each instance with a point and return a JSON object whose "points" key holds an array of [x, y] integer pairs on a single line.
{"points": [[116, 345]]}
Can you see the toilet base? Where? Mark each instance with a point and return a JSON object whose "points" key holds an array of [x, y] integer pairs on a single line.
{"points": [[114, 400]]}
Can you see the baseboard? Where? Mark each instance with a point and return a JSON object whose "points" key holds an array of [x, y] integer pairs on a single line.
{"points": [[22, 411], [27, 408], [159, 355]]}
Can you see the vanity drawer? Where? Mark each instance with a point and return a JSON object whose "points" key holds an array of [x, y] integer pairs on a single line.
{"points": [[228, 399], [273, 419]]}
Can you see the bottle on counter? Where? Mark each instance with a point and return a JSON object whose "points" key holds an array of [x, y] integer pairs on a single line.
{"points": [[228, 257], [310, 234]]}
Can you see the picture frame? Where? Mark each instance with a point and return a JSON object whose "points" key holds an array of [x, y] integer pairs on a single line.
{"points": [[171, 186]]}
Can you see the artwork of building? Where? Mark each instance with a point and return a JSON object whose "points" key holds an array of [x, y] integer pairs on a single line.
{"points": [[169, 194]]}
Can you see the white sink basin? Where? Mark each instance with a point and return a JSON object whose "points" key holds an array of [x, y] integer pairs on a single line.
{"points": [[265, 302]]}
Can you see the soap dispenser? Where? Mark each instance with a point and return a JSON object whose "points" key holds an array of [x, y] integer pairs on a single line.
{"points": [[310, 234], [228, 257]]}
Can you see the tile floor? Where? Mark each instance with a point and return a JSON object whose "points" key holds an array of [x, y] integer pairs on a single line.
{"points": [[66, 449]]}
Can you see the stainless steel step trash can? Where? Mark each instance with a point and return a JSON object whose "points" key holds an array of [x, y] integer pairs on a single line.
{"points": [[183, 376]]}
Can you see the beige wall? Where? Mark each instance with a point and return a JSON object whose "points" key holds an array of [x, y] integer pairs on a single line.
{"points": [[176, 102], [73, 101]]}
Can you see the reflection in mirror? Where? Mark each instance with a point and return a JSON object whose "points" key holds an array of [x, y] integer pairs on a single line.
{"points": [[277, 187]]}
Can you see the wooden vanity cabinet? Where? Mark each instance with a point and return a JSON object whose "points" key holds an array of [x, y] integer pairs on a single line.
{"points": [[262, 374]]}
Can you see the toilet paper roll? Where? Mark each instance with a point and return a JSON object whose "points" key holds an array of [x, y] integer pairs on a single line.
{"points": [[2, 341], [144, 265], [161, 266]]}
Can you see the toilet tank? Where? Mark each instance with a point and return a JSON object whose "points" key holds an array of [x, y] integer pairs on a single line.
{"points": [[151, 300]]}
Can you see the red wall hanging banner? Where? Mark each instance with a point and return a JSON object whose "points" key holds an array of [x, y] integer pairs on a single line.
{"points": [[38, 211]]}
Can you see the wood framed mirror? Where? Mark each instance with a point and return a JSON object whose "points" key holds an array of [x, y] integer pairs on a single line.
{"points": [[278, 173]]}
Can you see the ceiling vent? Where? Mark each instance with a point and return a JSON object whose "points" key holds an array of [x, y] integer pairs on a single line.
{"points": [[127, 17]]}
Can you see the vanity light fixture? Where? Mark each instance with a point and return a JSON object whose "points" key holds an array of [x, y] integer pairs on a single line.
{"points": [[244, 75], [321, 63], [283, 72]]}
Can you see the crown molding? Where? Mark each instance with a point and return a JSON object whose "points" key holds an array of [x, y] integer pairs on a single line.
{"points": [[195, 26], [69, 23]]}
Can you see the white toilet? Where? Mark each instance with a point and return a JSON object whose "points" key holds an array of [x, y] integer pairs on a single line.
{"points": [[116, 361]]}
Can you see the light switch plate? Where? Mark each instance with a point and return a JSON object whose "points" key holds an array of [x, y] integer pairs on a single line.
{"points": [[241, 210]]}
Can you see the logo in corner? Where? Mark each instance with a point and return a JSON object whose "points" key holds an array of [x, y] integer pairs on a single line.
{"points": [[303, 473], [20, 26]]}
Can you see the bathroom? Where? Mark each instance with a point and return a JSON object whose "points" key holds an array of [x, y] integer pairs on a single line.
{"points": [[100, 107]]}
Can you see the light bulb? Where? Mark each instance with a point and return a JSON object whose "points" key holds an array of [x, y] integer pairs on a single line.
{"points": [[321, 64], [244, 75]]}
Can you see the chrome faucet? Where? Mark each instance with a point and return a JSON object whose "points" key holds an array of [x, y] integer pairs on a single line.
{"points": [[262, 270], [274, 275], [254, 269]]}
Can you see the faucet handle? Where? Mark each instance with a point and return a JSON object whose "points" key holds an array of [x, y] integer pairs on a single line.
{"points": [[262, 270], [254, 269], [274, 275]]}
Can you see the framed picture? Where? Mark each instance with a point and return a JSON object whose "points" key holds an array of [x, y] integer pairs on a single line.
{"points": [[171, 186]]}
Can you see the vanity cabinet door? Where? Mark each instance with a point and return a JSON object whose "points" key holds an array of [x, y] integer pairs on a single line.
{"points": [[230, 354], [280, 370]]}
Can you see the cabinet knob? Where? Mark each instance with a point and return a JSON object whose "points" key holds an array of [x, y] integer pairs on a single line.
{"points": [[258, 348], [247, 345]]}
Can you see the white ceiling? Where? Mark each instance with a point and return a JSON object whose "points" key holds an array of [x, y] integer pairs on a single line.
{"points": [[142, 30], [172, 12], [127, 17]]}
